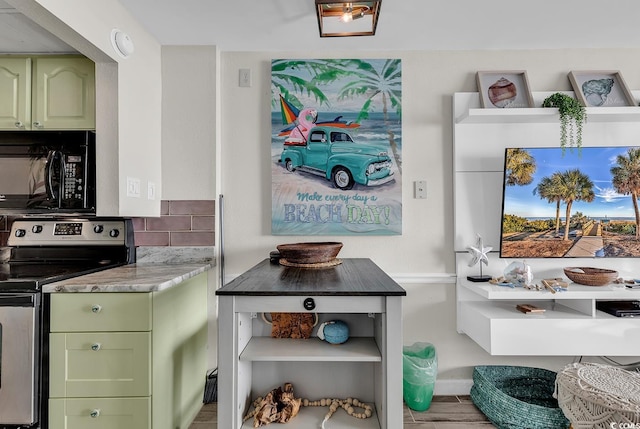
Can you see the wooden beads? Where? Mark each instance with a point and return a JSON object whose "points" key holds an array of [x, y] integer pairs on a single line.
{"points": [[348, 404]]}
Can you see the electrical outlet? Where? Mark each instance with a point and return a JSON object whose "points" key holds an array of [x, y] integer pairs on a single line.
{"points": [[420, 189], [133, 187]]}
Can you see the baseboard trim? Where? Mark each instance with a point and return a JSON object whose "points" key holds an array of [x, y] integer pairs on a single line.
{"points": [[452, 387]]}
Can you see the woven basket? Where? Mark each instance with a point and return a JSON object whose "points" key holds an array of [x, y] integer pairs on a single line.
{"points": [[591, 276], [517, 397]]}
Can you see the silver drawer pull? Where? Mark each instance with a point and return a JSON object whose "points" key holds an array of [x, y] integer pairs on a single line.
{"points": [[96, 308], [19, 124], [38, 124], [95, 413], [95, 347]]}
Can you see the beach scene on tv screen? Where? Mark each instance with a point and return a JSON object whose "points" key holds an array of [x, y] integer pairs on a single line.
{"points": [[570, 203]]}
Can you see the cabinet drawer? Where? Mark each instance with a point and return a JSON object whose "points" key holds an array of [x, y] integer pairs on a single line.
{"points": [[322, 304], [100, 364], [95, 312], [103, 413]]}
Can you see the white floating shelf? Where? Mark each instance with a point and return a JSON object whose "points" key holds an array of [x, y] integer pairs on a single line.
{"points": [[474, 114], [574, 291]]}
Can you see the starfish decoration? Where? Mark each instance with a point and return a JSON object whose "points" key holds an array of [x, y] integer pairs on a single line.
{"points": [[479, 253]]}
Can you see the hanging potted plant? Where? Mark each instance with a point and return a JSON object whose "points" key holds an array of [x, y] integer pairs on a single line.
{"points": [[573, 116]]}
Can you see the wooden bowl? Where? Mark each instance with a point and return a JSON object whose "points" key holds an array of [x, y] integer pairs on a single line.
{"points": [[591, 276], [309, 253]]}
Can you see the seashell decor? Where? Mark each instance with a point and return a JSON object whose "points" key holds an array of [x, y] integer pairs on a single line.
{"points": [[502, 92], [596, 90]]}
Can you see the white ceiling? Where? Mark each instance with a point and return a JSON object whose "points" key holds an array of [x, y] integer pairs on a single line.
{"points": [[291, 25], [281, 25]]}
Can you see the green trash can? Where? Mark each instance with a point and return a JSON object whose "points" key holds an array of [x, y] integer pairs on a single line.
{"points": [[419, 370]]}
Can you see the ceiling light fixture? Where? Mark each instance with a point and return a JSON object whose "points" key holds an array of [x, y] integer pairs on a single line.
{"points": [[340, 19]]}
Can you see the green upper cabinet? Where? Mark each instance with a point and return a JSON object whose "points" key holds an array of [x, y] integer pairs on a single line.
{"points": [[47, 93], [63, 94], [15, 93]]}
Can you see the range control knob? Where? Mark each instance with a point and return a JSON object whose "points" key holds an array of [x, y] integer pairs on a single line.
{"points": [[98, 229], [36, 229], [114, 233], [20, 232]]}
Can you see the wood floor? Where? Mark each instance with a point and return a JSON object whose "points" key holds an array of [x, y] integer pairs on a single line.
{"points": [[445, 412]]}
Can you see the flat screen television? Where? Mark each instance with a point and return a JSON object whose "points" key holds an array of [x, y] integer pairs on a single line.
{"points": [[564, 203]]}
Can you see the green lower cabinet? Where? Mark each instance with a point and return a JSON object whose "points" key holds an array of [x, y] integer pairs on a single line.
{"points": [[128, 360], [100, 413]]}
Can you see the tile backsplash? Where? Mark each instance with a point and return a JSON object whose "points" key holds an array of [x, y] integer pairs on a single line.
{"points": [[181, 223], [184, 223]]}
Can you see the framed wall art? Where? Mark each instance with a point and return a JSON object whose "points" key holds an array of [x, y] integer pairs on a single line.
{"points": [[601, 88], [504, 89], [336, 147]]}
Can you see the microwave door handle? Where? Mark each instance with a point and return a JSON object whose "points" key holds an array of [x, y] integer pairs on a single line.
{"points": [[51, 159]]}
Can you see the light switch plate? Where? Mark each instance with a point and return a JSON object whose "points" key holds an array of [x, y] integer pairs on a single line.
{"points": [[244, 78], [420, 189]]}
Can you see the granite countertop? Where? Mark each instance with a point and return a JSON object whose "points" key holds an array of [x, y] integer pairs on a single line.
{"points": [[139, 277]]}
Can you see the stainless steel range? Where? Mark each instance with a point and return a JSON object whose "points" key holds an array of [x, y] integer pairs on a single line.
{"points": [[45, 250]]}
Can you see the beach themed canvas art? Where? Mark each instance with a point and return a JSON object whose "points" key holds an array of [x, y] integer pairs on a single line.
{"points": [[336, 147], [560, 203]]}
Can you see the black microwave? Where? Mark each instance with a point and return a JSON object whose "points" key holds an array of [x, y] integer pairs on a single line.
{"points": [[47, 172]]}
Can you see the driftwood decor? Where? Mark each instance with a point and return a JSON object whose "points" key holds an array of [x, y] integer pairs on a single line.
{"points": [[280, 406]]}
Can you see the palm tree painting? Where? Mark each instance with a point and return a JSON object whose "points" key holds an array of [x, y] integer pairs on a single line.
{"points": [[519, 168], [574, 186], [592, 194], [626, 180], [549, 189], [336, 146]]}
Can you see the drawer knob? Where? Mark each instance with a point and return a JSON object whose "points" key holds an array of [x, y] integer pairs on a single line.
{"points": [[38, 124], [96, 308], [309, 304], [95, 347], [95, 413]]}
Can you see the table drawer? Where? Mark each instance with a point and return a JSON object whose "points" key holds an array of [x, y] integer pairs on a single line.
{"points": [[95, 312], [103, 413], [321, 304], [96, 364]]}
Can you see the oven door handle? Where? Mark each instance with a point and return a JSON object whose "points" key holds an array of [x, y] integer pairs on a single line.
{"points": [[17, 300], [54, 158]]}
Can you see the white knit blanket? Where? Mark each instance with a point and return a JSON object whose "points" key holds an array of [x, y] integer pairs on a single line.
{"points": [[598, 396]]}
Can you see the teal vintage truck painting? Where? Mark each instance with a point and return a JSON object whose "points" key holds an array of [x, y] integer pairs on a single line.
{"points": [[336, 147], [331, 152]]}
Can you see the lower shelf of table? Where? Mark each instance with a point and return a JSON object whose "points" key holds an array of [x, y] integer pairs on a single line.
{"points": [[312, 417]]}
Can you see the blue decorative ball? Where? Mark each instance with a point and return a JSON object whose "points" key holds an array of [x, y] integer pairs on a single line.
{"points": [[335, 332]]}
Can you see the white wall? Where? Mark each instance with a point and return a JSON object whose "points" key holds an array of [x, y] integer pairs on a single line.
{"points": [[425, 250], [189, 134], [189, 122], [128, 95]]}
